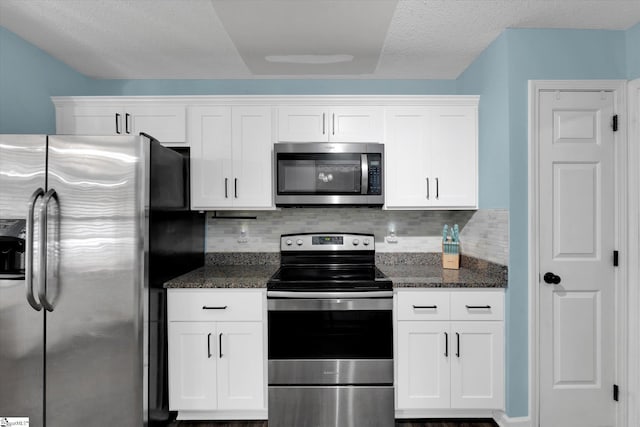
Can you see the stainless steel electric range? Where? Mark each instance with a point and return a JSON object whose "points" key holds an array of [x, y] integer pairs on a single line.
{"points": [[330, 334]]}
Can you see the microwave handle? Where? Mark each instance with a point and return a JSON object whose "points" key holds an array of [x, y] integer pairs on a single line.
{"points": [[364, 167]]}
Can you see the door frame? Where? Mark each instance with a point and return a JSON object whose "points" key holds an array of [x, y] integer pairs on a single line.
{"points": [[621, 215], [633, 411]]}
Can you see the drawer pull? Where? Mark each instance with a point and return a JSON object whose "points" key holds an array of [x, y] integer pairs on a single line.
{"points": [[433, 307], [479, 307], [206, 307]]}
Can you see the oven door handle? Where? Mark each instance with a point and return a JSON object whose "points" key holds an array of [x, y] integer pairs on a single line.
{"points": [[342, 304], [329, 295]]}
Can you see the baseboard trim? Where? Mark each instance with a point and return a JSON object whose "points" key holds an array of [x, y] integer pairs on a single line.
{"points": [[505, 421]]}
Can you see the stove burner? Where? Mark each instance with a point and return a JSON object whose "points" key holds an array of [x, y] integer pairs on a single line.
{"points": [[341, 268]]}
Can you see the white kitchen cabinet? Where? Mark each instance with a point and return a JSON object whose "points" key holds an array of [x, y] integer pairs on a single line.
{"points": [[423, 379], [231, 156], [111, 116], [192, 370], [330, 124], [217, 359], [431, 157], [477, 368], [449, 351]]}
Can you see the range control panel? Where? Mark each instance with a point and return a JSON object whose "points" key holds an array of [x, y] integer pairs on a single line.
{"points": [[327, 242]]}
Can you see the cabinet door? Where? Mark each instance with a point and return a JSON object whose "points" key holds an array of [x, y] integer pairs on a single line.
{"points": [[407, 158], [240, 365], [454, 166], [303, 124], [211, 175], [356, 124], [252, 142], [477, 365], [192, 366], [165, 123], [423, 365], [91, 120]]}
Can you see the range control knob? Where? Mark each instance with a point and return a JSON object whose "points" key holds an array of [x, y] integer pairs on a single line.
{"points": [[299, 242], [366, 242], [356, 242], [289, 242]]}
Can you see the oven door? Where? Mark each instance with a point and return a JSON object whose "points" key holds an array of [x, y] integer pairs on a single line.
{"points": [[330, 341], [330, 362]]}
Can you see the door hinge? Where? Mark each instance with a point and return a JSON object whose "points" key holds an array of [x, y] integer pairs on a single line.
{"points": [[615, 258], [614, 123], [616, 392]]}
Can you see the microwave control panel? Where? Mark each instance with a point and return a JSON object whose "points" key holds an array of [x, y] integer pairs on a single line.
{"points": [[375, 174]]}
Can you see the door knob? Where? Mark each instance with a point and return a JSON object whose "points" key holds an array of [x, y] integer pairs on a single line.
{"points": [[551, 278]]}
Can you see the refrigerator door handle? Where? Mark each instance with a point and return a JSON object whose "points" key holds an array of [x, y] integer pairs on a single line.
{"points": [[42, 291], [31, 299]]}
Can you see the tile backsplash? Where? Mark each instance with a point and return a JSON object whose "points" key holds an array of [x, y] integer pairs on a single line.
{"points": [[484, 233]]}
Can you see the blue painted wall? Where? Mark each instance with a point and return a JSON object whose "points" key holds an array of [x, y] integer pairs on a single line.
{"points": [[633, 52], [276, 87], [28, 78], [488, 77]]}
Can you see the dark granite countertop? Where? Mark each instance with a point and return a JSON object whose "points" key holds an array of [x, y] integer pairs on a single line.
{"points": [[225, 276], [405, 270]]}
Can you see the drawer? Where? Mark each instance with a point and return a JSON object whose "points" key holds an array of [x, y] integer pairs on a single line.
{"points": [[212, 305], [477, 305], [423, 305]]}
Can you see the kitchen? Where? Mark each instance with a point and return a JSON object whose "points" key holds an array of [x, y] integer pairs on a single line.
{"points": [[498, 75]]}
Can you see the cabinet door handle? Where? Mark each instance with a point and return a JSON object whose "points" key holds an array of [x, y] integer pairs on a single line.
{"points": [[220, 344], [437, 188], [458, 345], [425, 306], [427, 188], [127, 118], [333, 124], [324, 122], [209, 346], [446, 344], [118, 123], [208, 307], [226, 188], [235, 187], [478, 307]]}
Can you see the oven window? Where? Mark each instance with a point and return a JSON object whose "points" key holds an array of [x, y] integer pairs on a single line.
{"points": [[319, 174], [356, 334]]}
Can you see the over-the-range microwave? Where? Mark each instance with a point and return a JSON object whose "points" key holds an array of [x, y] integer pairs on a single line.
{"points": [[333, 174]]}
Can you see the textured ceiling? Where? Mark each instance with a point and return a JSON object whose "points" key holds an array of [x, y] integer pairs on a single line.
{"points": [[229, 39]]}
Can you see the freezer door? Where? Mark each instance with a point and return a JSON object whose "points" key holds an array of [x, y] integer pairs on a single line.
{"points": [[22, 171], [94, 291]]}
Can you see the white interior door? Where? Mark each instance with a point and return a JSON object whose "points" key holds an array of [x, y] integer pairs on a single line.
{"points": [[577, 225]]}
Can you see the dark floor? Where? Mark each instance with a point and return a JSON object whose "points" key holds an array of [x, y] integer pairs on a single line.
{"points": [[403, 423]]}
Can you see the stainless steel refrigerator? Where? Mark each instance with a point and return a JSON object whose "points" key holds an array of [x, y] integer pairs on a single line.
{"points": [[90, 227]]}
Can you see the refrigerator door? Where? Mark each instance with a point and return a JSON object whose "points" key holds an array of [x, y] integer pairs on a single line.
{"points": [[95, 280], [22, 171]]}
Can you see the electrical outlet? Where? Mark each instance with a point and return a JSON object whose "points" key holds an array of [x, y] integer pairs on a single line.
{"points": [[243, 237]]}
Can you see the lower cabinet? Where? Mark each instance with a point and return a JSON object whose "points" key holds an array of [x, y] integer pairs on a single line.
{"points": [[216, 367], [449, 352]]}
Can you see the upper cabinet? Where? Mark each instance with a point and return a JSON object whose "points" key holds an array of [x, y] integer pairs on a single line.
{"points": [[162, 119], [431, 142], [231, 152], [330, 124], [431, 155]]}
